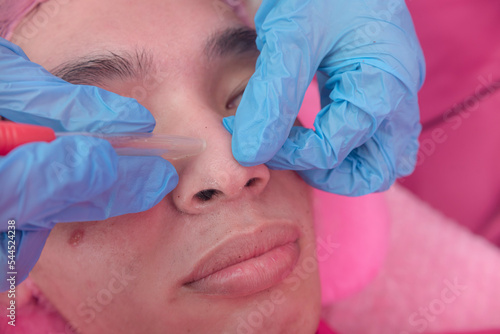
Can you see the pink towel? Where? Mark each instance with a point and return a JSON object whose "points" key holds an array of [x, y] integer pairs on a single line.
{"points": [[459, 158], [437, 277]]}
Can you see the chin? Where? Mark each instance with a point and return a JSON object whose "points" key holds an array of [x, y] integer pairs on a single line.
{"points": [[281, 310]]}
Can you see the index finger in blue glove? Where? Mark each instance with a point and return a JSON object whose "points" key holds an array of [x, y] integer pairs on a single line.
{"points": [[30, 94], [82, 180]]}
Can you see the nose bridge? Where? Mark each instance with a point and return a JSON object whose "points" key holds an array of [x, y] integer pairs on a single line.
{"points": [[215, 177]]}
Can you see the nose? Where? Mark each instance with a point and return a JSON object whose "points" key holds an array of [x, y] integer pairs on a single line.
{"points": [[214, 177]]}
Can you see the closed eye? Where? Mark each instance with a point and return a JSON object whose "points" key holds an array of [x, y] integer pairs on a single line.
{"points": [[234, 101]]}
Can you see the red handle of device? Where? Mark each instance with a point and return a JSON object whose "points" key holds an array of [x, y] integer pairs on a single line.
{"points": [[13, 135]]}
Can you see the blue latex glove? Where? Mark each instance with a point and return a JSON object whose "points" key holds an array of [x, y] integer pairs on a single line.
{"points": [[74, 178], [370, 68]]}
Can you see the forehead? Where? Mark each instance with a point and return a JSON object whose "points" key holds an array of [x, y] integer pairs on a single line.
{"points": [[171, 28]]}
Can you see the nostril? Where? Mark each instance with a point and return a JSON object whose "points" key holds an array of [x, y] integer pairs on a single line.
{"points": [[207, 194], [251, 182]]}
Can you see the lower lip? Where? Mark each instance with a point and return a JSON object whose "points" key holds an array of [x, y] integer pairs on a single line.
{"points": [[252, 275]]}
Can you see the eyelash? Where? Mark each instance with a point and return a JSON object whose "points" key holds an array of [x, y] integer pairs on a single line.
{"points": [[231, 104]]}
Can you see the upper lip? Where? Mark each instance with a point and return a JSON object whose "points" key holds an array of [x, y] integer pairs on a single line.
{"points": [[241, 248]]}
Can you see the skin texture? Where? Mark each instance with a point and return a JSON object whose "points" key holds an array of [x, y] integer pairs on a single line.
{"points": [[126, 274]]}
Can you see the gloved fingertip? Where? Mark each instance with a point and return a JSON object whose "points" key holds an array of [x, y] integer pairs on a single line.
{"points": [[228, 123], [151, 177], [247, 149], [164, 185], [172, 182], [171, 177], [248, 153], [244, 151], [133, 106], [127, 110], [13, 48], [86, 177], [29, 246]]}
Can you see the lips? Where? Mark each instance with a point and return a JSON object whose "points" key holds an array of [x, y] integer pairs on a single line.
{"points": [[248, 263]]}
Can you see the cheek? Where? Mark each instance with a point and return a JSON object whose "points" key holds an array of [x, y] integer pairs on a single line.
{"points": [[291, 197], [105, 259], [293, 192], [84, 253]]}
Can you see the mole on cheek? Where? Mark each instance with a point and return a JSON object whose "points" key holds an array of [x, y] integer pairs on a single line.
{"points": [[76, 237]]}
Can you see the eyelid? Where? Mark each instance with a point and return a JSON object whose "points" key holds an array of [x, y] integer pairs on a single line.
{"points": [[231, 103], [240, 89]]}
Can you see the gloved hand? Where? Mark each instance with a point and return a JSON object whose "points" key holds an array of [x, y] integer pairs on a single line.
{"points": [[74, 178], [370, 68]]}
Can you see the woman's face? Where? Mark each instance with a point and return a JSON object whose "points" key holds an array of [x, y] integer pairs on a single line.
{"points": [[231, 249]]}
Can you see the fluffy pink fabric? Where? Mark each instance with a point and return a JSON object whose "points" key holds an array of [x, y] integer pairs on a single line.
{"points": [[427, 255], [12, 12], [34, 313]]}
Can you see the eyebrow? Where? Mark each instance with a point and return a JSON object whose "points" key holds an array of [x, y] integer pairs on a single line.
{"points": [[94, 69], [232, 41]]}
